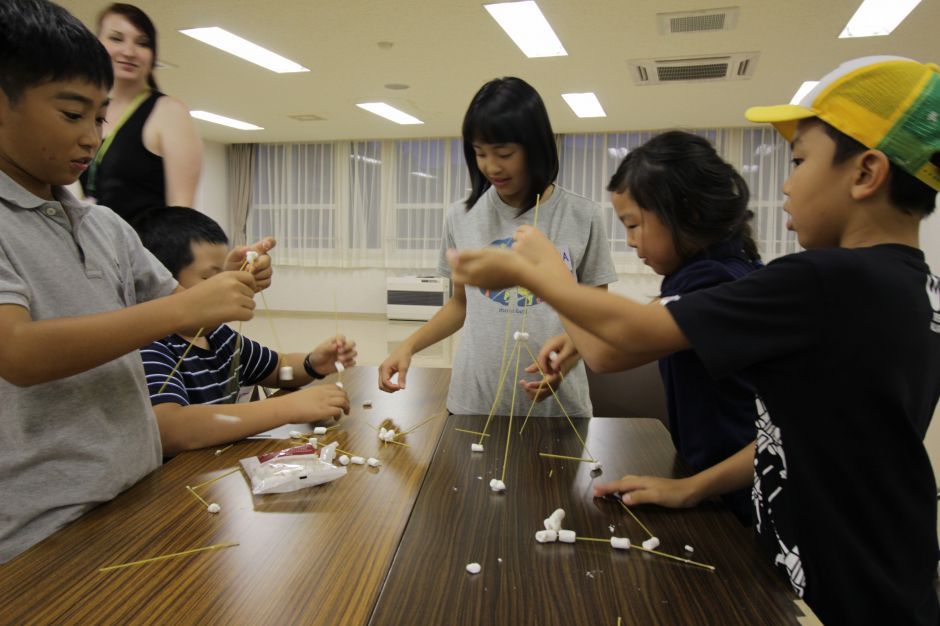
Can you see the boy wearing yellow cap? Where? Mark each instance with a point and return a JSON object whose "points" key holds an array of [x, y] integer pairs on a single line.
{"points": [[841, 342]]}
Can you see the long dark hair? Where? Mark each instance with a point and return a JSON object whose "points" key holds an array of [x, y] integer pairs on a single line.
{"points": [[698, 196], [510, 110], [142, 22]]}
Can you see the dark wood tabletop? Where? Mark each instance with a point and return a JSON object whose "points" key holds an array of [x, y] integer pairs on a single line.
{"points": [[314, 556], [458, 520], [390, 545]]}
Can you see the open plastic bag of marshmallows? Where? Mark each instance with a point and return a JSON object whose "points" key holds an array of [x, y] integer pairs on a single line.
{"points": [[292, 469]]}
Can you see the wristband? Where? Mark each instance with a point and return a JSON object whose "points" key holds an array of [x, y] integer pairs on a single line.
{"points": [[314, 374]]}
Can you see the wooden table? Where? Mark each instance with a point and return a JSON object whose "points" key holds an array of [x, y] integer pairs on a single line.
{"points": [[318, 555], [389, 546], [458, 520]]}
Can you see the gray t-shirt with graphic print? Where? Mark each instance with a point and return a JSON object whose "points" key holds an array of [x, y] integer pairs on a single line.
{"points": [[576, 226]]}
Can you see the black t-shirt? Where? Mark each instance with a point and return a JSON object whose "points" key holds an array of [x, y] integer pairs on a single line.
{"points": [[709, 420], [843, 347]]}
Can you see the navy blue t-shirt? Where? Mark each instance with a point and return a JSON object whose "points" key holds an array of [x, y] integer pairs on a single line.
{"points": [[709, 419]]}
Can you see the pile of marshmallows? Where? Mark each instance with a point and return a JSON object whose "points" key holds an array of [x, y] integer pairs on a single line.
{"points": [[554, 532], [387, 434]]}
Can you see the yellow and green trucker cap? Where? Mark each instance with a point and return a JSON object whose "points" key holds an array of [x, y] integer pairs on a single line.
{"points": [[891, 104]]}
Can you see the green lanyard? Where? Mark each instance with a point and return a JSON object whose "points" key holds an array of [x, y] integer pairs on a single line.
{"points": [[93, 169]]}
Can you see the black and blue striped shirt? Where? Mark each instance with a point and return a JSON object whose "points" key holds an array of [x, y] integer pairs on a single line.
{"points": [[211, 376]]}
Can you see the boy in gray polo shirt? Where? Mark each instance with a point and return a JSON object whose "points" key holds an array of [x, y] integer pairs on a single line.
{"points": [[76, 427]]}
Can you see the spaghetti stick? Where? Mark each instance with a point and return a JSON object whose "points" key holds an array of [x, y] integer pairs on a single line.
{"points": [[710, 568], [503, 368], [567, 458], [217, 478], [179, 362], [411, 430], [635, 518], [197, 496], [217, 546], [558, 400], [656, 552], [472, 432], [512, 408], [532, 405]]}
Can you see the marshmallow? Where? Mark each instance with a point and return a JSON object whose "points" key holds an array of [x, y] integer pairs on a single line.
{"points": [[382, 432], [553, 521], [476, 447], [567, 536], [339, 384], [214, 508], [374, 462], [296, 434], [689, 548], [620, 543], [474, 568], [286, 373], [652, 543], [339, 367], [357, 460], [520, 336], [552, 355], [546, 536], [596, 467], [251, 256], [497, 485], [319, 430], [344, 460]]}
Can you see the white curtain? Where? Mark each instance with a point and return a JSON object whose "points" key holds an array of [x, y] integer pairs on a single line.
{"points": [[381, 203], [240, 172]]}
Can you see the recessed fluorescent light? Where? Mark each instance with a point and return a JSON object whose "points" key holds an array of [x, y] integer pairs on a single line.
{"points": [[389, 112], [528, 28], [804, 89], [877, 17], [584, 104], [224, 121], [244, 49]]}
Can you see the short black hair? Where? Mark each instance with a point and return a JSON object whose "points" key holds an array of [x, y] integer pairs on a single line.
{"points": [[41, 42], [510, 110], [696, 194], [905, 191], [141, 22], [169, 232]]}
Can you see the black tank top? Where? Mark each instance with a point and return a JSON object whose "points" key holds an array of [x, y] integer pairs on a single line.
{"points": [[130, 178]]}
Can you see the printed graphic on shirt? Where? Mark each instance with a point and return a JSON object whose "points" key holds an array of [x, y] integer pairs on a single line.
{"points": [[520, 296], [933, 295], [770, 476]]}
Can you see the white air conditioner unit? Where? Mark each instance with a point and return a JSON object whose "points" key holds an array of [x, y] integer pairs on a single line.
{"points": [[718, 67], [415, 297]]}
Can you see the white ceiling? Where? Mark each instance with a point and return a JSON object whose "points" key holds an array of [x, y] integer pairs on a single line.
{"points": [[446, 49]]}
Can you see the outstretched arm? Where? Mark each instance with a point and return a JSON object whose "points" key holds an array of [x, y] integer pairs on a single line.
{"points": [[735, 472]]}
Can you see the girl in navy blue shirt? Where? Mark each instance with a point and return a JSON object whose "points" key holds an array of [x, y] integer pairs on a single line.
{"points": [[685, 212]]}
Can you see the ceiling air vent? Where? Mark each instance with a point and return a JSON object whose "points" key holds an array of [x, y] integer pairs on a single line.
{"points": [[736, 66], [307, 117], [707, 21]]}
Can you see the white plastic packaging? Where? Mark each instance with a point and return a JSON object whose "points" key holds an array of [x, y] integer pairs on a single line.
{"points": [[289, 470]]}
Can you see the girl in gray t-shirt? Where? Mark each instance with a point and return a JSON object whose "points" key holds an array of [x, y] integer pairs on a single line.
{"points": [[513, 161]]}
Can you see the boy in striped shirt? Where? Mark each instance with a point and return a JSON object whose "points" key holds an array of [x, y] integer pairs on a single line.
{"points": [[187, 400]]}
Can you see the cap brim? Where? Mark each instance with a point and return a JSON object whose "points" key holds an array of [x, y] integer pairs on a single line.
{"points": [[783, 116]]}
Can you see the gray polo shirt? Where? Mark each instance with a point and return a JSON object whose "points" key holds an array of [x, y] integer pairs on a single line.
{"points": [[70, 444]]}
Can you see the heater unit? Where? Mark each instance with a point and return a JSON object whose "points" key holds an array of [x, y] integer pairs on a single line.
{"points": [[415, 297]]}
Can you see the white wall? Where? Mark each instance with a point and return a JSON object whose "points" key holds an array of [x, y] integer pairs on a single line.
{"points": [[212, 193]]}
